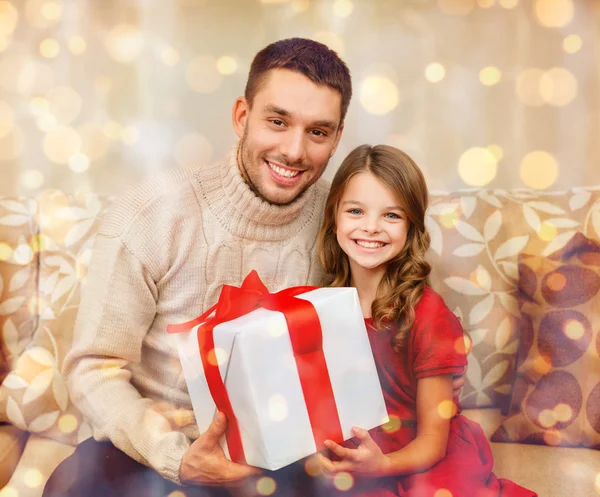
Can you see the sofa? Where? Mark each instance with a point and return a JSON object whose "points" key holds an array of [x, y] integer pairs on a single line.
{"points": [[486, 244]]}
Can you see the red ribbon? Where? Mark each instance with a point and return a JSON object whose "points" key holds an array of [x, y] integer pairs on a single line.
{"points": [[306, 336]]}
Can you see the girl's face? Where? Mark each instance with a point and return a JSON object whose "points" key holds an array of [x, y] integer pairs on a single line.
{"points": [[371, 225]]}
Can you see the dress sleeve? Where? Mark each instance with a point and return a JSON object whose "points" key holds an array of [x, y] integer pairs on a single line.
{"points": [[437, 336]]}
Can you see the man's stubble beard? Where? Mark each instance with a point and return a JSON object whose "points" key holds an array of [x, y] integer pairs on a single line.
{"points": [[244, 157]]}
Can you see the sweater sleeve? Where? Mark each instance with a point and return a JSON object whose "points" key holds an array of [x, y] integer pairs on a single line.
{"points": [[118, 306]]}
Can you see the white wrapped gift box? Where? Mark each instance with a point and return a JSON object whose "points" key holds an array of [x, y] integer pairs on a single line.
{"points": [[257, 365]]}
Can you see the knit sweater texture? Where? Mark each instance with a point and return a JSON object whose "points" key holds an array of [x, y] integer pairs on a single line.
{"points": [[161, 256]]}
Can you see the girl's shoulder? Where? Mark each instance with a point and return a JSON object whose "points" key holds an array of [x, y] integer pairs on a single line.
{"points": [[432, 306]]}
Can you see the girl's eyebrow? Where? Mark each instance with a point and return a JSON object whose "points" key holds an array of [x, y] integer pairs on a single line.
{"points": [[390, 208]]}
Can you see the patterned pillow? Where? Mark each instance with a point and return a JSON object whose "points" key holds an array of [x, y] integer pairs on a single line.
{"points": [[556, 396], [18, 278], [476, 238], [34, 396]]}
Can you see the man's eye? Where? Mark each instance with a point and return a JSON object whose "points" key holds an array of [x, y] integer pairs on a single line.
{"points": [[277, 122], [318, 132]]}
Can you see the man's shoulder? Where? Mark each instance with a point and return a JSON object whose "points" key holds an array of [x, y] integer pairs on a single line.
{"points": [[155, 194]]}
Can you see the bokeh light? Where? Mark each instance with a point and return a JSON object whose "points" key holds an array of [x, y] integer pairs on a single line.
{"points": [[193, 149], [170, 56], [42, 14], [9, 17], [130, 135], [446, 409], [266, 485], [11, 144], [49, 48], [443, 492], [547, 231], [539, 170], [558, 86], [556, 282], [528, 87], [342, 8], [177, 493], [33, 478], [32, 179], [330, 39], [343, 481], [573, 329], [378, 95], [547, 418], [278, 408], [393, 424], [61, 144], [554, 13], [7, 116], [227, 65], [435, 72], [9, 491], [67, 423], [124, 43], [542, 365], [456, 7], [51, 10], [300, 6], [94, 142], [477, 166], [217, 356], [312, 467], [485, 4], [508, 4], [20, 74], [64, 103], [202, 74], [77, 45], [496, 151], [79, 163], [490, 75], [563, 412], [572, 43], [6, 251]]}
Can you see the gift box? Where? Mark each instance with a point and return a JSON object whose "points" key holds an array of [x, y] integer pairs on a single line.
{"points": [[289, 370]]}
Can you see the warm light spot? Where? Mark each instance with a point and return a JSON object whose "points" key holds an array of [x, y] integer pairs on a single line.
{"points": [[558, 86], [51, 10], [274, 1], [23, 254], [193, 149], [111, 368], [456, 7], [343, 481], [300, 5], [563, 412], [481, 277], [8, 19], [342, 8], [39, 106], [9, 492], [79, 163], [266, 486], [226, 65], [11, 144], [130, 135], [177, 493], [77, 45], [278, 408], [33, 478], [477, 166], [485, 4], [41, 242], [113, 130], [32, 179], [124, 43], [552, 437], [497, 152], [435, 72], [463, 345], [60, 144], [378, 95], [64, 103], [547, 231], [573, 329], [330, 39], [67, 423], [539, 170], [554, 13], [490, 75], [94, 142], [541, 365], [312, 467], [183, 417], [449, 219], [102, 84], [597, 483], [202, 74], [556, 282], [547, 418], [572, 43], [442, 492], [528, 87], [446, 409], [5, 251], [217, 356], [46, 123], [170, 56], [49, 48], [508, 4], [393, 424]]}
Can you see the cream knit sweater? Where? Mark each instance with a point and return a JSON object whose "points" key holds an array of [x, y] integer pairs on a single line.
{"points": [[161, 256]]}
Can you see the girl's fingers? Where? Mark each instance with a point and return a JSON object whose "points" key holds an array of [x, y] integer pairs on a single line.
{"points": [[338, 466], [364, 437], [340, 451]]}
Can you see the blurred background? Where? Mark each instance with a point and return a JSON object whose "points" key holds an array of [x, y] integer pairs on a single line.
{"points": [[97, 94]]}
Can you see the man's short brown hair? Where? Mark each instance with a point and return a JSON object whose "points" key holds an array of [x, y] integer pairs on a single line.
{"points": [[314, 60]]}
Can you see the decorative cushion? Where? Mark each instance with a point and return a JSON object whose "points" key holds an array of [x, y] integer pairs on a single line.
{"points": [[34, 396], [556, 396], [18, 278], [476, 238]]}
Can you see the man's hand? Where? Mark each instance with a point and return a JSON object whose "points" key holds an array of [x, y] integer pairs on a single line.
{"points": [[458, 382], [205, 463]]}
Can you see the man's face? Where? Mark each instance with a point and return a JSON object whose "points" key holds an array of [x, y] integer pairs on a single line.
{"points": [[288, 136]]}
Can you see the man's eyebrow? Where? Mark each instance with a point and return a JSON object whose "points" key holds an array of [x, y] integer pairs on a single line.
{"points": [[284, 113]]}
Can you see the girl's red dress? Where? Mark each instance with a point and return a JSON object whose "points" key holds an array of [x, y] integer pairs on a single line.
{"points": [[435, 346]]}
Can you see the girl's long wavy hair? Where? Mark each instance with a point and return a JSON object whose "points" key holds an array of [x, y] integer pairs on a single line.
{"points": [[404, 281]]}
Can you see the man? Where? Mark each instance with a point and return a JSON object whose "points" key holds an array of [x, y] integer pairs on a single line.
{"points": [[161, 257]]}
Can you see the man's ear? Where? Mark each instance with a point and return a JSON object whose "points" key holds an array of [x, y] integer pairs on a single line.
{"points": [[337, 139], [239, 115]]}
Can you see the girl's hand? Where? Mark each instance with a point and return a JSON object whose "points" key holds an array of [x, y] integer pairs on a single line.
{"points": [[367, 458]]}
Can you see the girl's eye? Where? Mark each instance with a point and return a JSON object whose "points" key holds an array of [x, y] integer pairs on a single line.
{"points": [[393, 215], [355, 211]]}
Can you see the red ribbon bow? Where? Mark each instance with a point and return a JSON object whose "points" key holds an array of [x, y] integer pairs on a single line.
{"points": [[307, 344]]}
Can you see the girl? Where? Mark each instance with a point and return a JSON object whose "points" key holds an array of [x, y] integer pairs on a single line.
{"points": [[374, 238]]}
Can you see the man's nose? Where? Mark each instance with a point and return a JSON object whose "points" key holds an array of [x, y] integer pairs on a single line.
{"points": [[293, 147]]}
